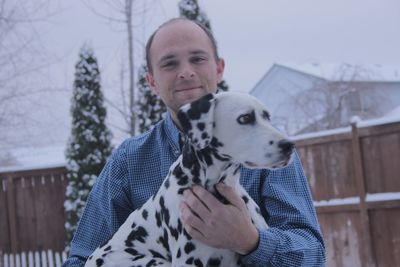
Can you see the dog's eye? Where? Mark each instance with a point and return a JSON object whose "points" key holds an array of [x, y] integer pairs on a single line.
{"points": [[248, 118]]}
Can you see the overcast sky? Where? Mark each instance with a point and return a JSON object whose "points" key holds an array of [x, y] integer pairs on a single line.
{"points": [[252, 35]]}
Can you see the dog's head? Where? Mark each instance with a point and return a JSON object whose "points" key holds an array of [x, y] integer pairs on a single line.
{"points": [[237, 126]]}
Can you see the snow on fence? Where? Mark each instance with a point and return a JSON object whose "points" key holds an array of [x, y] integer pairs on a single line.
{"points": [[33, 259]]}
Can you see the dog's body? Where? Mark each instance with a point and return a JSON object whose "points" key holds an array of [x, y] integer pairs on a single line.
{"points": [[154, 235]]}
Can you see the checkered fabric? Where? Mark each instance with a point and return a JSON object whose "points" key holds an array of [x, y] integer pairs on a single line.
{"points": [[136, 170]]}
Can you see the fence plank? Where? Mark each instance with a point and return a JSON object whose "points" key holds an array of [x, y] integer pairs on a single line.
{"points": [[367, 251], [12, 218]]}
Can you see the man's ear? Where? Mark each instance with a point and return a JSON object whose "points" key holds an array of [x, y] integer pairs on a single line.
{"points": [[197, 120], [151, 82], [220, 69]]}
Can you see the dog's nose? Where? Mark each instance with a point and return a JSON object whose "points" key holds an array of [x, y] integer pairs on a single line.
{"points": [[286, 146]]}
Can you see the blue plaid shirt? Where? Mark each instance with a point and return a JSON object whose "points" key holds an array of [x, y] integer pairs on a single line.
{"points": [[136, 170]]}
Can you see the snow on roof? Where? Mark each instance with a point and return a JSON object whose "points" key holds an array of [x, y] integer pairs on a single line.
{"points": [[32, 158], [391, 117], [349, 72]]}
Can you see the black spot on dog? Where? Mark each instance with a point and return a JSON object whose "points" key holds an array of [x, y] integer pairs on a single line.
{"points": [[199, 107], [158, 219], [174, 232], [245, 199], [196, 180], [184, 121], [164, 240], [266, 115], [132, 251], [181, 190], [188, 156], [204, 136], [213, 262], [145, 213], [216, 143], [189, 247], [151, 263], [182, 178], [188, 237], [107, 248], [138, 257], [178, 254], [164, 211], [156, 254], [138, 234], [198, 263], [190, 261], [99, 262], [167, 183], [201, 126]]}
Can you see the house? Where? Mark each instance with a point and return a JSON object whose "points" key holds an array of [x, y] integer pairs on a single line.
{"points": [[314, 97]]}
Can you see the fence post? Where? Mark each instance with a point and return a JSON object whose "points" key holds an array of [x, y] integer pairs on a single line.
{"points": [[366, 246], [12, 216]]}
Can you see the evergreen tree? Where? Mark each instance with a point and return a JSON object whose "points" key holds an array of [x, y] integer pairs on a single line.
{"points": [[150, 108], [90, 142], [190, 9]]}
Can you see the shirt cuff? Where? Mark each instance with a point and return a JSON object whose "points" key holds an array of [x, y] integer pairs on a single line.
{"points": [[265, 250]]}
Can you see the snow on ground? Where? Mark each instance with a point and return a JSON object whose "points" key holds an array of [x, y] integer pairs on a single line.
{"points": [[387, 196]]}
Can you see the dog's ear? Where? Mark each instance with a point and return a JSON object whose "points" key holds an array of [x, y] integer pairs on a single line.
{"points": [[197, 120]]}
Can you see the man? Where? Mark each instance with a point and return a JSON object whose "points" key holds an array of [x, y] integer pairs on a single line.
{"points": [[184, 65]]}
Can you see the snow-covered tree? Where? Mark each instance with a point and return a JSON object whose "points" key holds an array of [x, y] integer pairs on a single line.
{"points": [[190, 9], [90, 142], [150, 108]]}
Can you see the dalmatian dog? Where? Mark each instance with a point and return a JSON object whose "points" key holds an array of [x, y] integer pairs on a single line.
{"points": [[225, 131]]}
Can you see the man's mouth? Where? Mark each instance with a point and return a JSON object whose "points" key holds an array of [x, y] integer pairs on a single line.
{"points": [[188, 88]]}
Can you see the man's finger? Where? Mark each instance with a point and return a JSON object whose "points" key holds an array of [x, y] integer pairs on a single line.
{"points": [[206, 197], [195, 204], [230, 194]]}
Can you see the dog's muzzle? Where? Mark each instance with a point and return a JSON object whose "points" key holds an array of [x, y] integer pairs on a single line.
{"points": [[286, 146]]}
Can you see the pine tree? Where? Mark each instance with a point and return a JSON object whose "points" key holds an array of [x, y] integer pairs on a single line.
{"points": [[150, 108], [90, 142], [190, 9]]}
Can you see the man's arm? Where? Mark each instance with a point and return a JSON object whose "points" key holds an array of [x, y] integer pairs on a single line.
{"points": [[106, 209], [293, 238]]}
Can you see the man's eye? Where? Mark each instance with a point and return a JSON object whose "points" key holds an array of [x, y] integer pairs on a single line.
{"points": [[169, 64], [248, 118], [198, 59]]}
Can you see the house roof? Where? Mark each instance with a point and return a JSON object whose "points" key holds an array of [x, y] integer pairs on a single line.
{"points": [[348, 72]]}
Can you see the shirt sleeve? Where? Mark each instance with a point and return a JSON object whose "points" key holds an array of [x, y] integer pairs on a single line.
{"points": [[293, 237], [107, 208]]}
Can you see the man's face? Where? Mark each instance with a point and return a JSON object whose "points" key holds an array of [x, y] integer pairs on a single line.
{"points": [[184, 65]]}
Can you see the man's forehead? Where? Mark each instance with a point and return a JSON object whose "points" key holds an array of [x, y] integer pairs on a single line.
{"points": [[170, 37]]}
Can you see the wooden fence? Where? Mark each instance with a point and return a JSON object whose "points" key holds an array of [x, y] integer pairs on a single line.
{"points": [[355, 181], [33, 259], [354, 177], [32, 210]]}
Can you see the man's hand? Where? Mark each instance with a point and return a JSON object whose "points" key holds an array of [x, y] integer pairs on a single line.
{"points": [[216, 224]]}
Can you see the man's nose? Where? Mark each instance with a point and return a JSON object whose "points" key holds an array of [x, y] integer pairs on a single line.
{"points": [[186, 72]]}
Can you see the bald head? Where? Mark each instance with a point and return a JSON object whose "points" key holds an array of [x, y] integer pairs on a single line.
{"points": [[171, 22]]}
